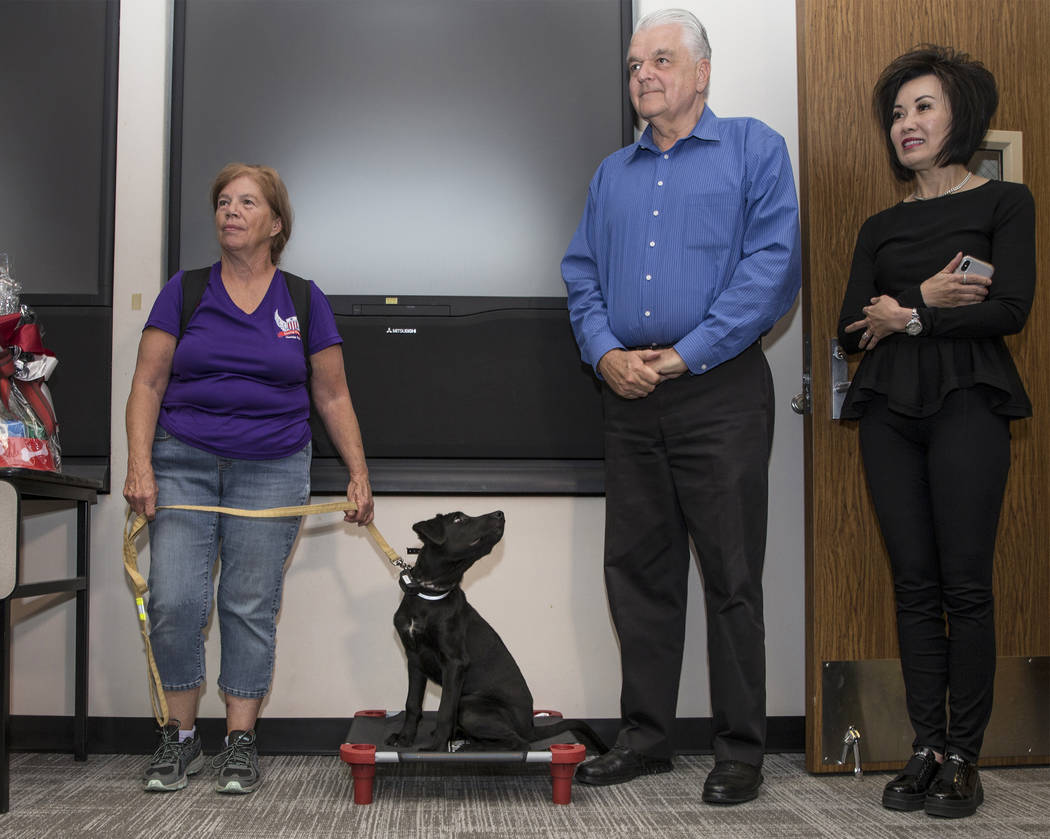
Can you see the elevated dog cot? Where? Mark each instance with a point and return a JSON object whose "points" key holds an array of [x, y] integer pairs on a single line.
{"points": [[365, 747]]}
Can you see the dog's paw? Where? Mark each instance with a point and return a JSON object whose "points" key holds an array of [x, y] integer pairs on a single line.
{"points": [[400, 740]]}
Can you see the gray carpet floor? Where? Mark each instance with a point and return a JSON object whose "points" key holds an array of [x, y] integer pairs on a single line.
{"points": [[312, 798]]}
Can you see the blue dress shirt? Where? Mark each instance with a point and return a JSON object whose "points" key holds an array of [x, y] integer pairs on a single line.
{"points": [[696, 247]]}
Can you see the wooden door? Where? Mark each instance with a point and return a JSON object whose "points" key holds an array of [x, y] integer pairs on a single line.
{"points": [[843, 46]]}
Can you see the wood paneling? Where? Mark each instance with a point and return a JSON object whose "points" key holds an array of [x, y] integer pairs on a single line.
{"points": [[843, 46]]}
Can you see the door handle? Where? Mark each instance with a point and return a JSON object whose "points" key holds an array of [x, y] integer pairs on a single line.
{"points": [[852, 741], [802, 403]]}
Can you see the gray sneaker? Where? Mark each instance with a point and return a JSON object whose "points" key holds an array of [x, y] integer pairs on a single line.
{"points": [[173, 761], [238, 764]]}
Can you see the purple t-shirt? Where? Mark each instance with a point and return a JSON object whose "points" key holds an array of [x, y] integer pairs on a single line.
{"points": [[238, 381]]}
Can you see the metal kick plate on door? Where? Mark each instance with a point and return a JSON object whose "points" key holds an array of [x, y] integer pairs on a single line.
{"points": [[870, 695], [839, 378]]}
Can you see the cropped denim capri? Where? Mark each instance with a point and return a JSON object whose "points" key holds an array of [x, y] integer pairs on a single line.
{"points": [[252, 552]]}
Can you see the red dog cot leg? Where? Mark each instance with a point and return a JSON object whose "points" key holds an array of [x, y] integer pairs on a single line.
{"points": [[564, 759], [362, 760]]}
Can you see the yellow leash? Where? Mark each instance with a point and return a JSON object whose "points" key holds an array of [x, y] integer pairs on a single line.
{"points": [[134, 524]]}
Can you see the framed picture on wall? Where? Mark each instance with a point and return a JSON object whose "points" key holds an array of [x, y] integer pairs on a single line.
{"points": [[999, 157]]}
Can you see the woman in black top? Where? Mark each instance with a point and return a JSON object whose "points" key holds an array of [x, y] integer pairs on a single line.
{"points": [[934, 394]]}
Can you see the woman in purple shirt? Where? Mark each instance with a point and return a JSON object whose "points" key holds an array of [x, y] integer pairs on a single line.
{"points": [[219, 415]]}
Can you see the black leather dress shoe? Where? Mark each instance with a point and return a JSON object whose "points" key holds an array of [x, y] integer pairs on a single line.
{"points": [[908, 790], [956, 792], [732, 782], [618, 765]]}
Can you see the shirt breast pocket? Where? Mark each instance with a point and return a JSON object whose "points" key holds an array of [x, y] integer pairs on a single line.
{"points": [[710, 223]]}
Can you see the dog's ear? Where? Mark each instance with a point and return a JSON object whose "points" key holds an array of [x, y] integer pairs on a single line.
{"points": [[432, 530]]}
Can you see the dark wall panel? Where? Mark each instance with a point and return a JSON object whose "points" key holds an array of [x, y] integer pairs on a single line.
{"points": [[58, 73], [57, 86]]}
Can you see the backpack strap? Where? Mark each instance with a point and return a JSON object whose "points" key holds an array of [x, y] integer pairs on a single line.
{"points": [[299, 290], [193, 284]]}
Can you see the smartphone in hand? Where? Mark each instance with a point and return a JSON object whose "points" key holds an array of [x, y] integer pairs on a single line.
{"points": [[973, 265]]}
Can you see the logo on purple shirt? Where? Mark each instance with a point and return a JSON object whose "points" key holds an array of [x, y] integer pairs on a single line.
{"points": [[287, 328]]}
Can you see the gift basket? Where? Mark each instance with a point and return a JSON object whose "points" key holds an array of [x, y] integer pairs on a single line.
{"points": [[28, 428]]}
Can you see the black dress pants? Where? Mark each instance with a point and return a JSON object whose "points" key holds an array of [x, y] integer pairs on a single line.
{"points": [[937, 484], [690, 460]]}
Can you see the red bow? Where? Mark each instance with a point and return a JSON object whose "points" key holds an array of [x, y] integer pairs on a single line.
{"points": [[27, 338]]}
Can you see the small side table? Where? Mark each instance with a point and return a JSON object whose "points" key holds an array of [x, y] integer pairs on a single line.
{"points": [[28, 484]]}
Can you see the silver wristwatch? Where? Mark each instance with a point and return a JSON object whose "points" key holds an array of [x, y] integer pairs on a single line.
{"points": [[914, 326]]}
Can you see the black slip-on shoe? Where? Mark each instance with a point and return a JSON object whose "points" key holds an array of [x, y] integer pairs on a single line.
{"points": [[908, 790], [956, 792], [618, 765], [732, 782]]}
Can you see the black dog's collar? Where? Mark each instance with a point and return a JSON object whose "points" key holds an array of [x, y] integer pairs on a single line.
{"points": [[410, 586]]}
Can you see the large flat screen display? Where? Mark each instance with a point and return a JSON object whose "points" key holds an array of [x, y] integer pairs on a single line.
{"points": [[429, 146]]}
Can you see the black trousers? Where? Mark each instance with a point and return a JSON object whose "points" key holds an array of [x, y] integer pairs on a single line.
{"points": [[690, 460], [938, 484]]}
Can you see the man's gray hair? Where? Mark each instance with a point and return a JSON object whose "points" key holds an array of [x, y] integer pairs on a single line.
{"points": [[692, 29]]}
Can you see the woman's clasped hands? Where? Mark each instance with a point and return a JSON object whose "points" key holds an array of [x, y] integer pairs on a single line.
{"points": [[946, 289]]}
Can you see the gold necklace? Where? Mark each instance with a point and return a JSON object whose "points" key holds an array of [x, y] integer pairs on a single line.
{"points": [[915, 195]]}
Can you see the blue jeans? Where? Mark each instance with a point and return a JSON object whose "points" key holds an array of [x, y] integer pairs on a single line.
{"points": [[184, 545]]}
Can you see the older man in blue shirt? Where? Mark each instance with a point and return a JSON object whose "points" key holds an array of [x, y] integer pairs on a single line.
{"points": [[687, 253]]}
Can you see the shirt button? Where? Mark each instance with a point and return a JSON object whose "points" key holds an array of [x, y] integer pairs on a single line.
{"points": [[652, 244], [648, 276], [656, 212], [647, 313], [703, 366], [659, 183], [667, 157]]}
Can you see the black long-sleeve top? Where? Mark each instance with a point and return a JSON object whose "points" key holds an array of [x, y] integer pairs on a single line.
{"points": [[959, 347]]}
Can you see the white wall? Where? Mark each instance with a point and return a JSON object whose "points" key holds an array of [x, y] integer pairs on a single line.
{"points": [[542, 587]]}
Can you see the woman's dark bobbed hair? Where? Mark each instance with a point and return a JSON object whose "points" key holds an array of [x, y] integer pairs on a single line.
{"points": [[972, 97]]}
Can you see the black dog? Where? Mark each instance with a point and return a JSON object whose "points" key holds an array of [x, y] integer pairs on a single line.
{"points": [[484, 697]]}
